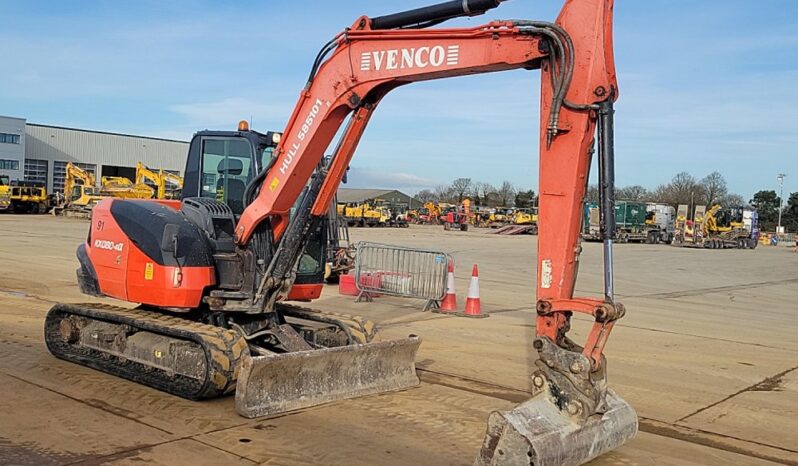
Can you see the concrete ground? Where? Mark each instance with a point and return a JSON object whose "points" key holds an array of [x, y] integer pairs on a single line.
{"points": [[707, 354]]}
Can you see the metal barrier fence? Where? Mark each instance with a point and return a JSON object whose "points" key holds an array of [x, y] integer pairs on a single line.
{"points": [[382, 269]]}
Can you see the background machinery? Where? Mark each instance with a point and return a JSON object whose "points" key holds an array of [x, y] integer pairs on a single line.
{"points": [[80, 193], [22, 196], [718, 228], [526, 216], [119, 186], [213, 272], [524, 222], [430, 214], [663, 217], [633, 223], [501, 216], [730, 227], [167, 185], [457, 217], [364, 214]]}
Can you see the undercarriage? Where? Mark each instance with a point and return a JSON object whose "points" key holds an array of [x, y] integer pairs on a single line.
{"points": [[197, 356]]}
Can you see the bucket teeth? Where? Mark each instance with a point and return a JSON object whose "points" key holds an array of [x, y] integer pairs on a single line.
{"points": [[284, 382], [537, 432]]}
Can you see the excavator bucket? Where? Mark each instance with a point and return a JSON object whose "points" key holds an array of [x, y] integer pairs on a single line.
{"points": [[284, 382], [538, 433]]}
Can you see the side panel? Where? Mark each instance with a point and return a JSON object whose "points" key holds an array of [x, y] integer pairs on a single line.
{"points": [[108, 248], [158, 285], [126, 272], [305, 292]]}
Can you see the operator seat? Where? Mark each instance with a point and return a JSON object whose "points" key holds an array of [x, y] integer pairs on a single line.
{"points": [[233, 187]]}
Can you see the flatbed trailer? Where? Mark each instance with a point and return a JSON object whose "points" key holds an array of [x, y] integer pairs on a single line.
{"points": [[739, 238]]}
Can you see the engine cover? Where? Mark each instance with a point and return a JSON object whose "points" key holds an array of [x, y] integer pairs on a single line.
{"points": [[145, 252]]}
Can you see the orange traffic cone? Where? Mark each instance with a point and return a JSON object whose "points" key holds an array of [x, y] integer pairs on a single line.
{"points": [[449, 303], [472, 308]]}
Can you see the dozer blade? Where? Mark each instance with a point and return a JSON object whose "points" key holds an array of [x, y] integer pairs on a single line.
{"points": [[283, 382], [537, 433]]}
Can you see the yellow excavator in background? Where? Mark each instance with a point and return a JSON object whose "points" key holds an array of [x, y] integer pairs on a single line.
{"points": [[167, 185], [80, 193], [119, 186], [726, 227], [717, 228], [430, 214], [713, 225]]}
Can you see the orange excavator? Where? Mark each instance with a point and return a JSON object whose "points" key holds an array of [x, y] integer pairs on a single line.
{"points": [[213, 272]]}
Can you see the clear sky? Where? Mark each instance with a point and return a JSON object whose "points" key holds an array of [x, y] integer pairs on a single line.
{"points": [[705, 85]]}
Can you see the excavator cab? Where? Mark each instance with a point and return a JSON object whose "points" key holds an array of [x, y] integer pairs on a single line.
{"points": [[220, 166]]}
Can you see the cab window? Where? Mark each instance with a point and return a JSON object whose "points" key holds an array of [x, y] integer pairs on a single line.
{"points": [[266, 156], [226, 170]]}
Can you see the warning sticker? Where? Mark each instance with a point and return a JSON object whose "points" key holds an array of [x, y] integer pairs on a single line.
{"points": [[148, 271], [273, 184]]}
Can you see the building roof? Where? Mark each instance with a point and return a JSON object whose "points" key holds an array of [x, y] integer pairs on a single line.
{"points": [[12, 117], [360, 195], [105, 132]]}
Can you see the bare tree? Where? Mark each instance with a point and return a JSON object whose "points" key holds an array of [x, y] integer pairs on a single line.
{"points": [[714, 188], [460, 189], [592, 194], [683, 189], [493, 199], [632, 193], [481, 191], [443, 193], [507, 193], [425, 195], [732, 200]]}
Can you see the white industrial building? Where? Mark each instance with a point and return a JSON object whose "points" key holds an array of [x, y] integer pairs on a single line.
{"points": [[12, 147], [40, 153]]}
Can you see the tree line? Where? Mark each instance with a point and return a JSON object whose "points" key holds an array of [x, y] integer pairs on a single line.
{"points": [[683, 188], [481, 194]]}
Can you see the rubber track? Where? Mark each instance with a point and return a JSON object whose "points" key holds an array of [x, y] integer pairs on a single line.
{"points": [[223, 349]]}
